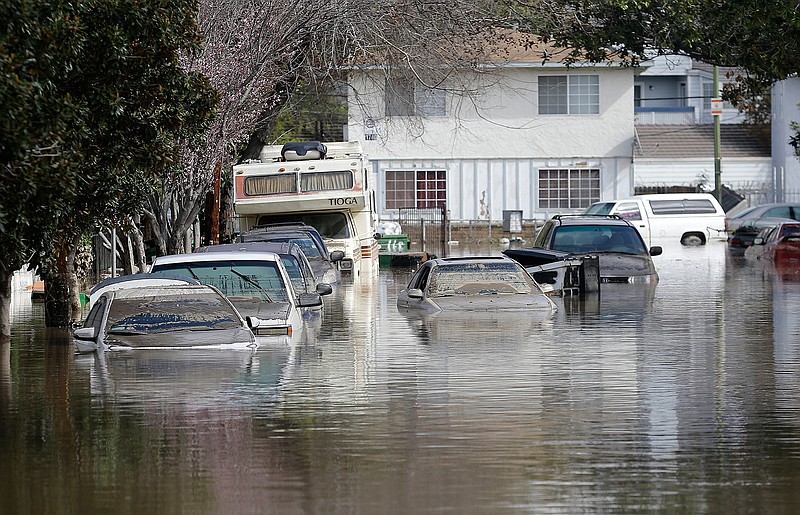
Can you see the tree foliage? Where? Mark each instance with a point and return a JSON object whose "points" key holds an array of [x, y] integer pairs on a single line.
{"points": [[94, 99]]}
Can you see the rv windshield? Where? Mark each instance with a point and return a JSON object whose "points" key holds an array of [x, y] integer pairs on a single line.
{"points": [[331, 225]]}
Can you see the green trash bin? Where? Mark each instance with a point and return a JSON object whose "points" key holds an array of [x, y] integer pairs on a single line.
{"points": [[393, 243]]}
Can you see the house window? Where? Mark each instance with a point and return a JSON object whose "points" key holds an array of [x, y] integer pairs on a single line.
{"points": [[415, 188], [569, 94], [409, 98], [568, 188]]}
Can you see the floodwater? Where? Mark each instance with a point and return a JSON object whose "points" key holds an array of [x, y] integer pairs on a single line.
{"points": [[680, 398]]}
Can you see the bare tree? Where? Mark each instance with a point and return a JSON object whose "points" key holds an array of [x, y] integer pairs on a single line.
{"points": [[257, 51]]}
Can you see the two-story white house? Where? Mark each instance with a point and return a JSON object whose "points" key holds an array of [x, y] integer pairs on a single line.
{"points": [[541, 137]]}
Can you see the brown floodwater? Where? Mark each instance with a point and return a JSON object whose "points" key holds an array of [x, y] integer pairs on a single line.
{"points": [[684, 397]]}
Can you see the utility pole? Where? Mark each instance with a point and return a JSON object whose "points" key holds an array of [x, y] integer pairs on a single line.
{"points": [[716, 110]]}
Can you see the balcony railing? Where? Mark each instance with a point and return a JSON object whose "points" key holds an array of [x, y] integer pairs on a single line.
{"points": [[664, 115]]}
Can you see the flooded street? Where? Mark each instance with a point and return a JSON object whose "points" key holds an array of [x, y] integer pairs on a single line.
{"points": [[683, 397]]}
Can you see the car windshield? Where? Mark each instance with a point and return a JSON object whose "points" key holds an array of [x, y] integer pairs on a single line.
{"points": [[161, 314], [295, 273], [307, 245], [235, 278], [788, 230], [479, 278], [598, 238]]}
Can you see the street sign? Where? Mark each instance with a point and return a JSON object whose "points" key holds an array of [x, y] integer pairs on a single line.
{"points": [[716, 106]]}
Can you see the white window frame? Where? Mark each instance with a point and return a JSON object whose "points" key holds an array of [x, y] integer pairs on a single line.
{"points": [[567, 188], [569, 94], [407, 98], [421, 196]]}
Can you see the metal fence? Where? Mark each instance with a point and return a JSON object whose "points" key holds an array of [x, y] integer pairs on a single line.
{"points": [[426, 229], [769, 196]]}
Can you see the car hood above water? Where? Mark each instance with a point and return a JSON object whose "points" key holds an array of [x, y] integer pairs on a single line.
{"points": [[625, 265], [279, 311], [494, 302]]}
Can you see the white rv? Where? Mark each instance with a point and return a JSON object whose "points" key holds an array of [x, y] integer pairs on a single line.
{"points": [[690, 218], [327, 186]]}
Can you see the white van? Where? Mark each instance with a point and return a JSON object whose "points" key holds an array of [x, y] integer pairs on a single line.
{"points": [[691, 218]]}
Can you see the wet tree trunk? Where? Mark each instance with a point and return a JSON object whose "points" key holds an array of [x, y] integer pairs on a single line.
{"points": [[5, 304], [58, 278], [137, 239]]}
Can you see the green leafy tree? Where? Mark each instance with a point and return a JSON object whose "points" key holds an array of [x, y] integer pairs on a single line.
{"points": [[95, 100]]}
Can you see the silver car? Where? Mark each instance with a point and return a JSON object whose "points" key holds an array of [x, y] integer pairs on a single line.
{"points": [[164, 317], [491, 283]]}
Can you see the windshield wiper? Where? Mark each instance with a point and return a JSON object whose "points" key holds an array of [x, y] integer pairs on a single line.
{"points": [[192, 272], [254, 283]]}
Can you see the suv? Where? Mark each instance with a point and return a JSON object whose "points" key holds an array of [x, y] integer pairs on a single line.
{"points": [[323, 262], [622, 254]]}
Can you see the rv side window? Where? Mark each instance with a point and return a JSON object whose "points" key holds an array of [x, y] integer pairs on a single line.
{"points": [[699, 206]]}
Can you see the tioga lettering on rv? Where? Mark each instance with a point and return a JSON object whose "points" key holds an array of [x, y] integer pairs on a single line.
{"points": [[346, 201]]}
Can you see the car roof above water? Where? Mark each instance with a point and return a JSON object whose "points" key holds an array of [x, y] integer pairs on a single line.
{"points": [[607, 220], [200, 257]]}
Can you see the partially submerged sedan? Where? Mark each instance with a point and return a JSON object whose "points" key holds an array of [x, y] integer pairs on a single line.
{"points": [[780, 244], [257, 283], [482, 284], [164, 317]]}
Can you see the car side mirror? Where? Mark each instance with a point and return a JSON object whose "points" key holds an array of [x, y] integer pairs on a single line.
{"points": [[336, 255], [414, 293], [758, 241], [309, 300], [324, 289], [85, 333], [655, 250], [253, 322]]}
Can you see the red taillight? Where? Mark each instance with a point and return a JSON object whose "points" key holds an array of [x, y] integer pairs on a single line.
{"points": [[735, 242]]}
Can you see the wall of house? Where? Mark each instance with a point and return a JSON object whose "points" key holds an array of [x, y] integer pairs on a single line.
{"points": [[746, 174], [481, 189], [493, 143], [785, 98]]}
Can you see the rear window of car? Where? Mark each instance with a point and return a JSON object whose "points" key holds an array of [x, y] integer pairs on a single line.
{"points": [[597, 238], [467, 278]]}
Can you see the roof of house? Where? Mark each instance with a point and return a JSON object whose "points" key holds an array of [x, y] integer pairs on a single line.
{"points": [[688, 141]]}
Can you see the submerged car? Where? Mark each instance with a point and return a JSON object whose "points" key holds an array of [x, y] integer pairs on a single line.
{"points": [[489, 283], [622, 254], [323, 262], [743, 236], [134, 281], [753, 216], [257, 283], [780, 244], [164, 317], [294, 259]]}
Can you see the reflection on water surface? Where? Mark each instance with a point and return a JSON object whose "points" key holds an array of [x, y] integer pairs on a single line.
{"points": [[677, 397]]}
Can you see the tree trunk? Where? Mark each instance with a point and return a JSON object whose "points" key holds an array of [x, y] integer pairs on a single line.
{"points": [[137, 239], [57, 279], [5, 304], [76, 310], [57, 311]]}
